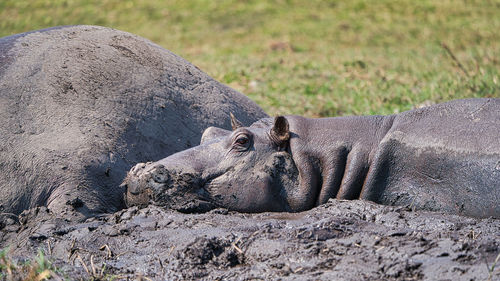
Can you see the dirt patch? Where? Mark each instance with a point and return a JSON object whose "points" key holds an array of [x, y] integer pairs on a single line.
{"points": [[341, 240]]}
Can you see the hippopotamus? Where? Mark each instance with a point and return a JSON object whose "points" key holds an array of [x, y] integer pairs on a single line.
{"points": [[444, 157], [80, 105]]}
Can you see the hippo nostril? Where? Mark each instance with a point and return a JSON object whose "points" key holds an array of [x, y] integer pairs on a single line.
{"points": [[159, 174], [167, 185], [133, 190]]}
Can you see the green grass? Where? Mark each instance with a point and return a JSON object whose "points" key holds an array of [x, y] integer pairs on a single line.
{"points": [[314, 58], [37, 269]]}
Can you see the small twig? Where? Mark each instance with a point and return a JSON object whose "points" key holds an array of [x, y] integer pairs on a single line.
{"points": [[448, 50], [298, 270], [237, 240], [120, 254], [105, 246], [83, 263], [171, 250], [473, 235], [237, 249], [72, 249], [94, 272], [49, 248]]}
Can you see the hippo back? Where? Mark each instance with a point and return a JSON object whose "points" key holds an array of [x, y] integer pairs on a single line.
{"points": [[80, 105], [444, 157]]}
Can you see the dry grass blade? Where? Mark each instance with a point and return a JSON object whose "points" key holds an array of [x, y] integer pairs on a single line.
{"points": [[94, 272], [83, 264], [454, 58], [492, 269], [106, 247], [36, 269], [72, 250], [49, 247], [237, 249]]}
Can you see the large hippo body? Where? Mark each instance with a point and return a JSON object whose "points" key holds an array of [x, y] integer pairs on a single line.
{"points": [[444, 157], [80, 105]]}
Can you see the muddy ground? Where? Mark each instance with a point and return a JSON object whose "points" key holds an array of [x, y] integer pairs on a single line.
{"points": [[341, 240]]}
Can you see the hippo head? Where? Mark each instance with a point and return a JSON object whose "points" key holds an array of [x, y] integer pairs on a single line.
{"points": [[248, 169]]}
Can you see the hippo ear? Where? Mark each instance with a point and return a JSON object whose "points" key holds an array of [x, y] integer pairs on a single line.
{"points": [[279, 133], [235, 123]]}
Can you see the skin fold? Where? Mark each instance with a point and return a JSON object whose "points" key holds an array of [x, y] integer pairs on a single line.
{"points": [[444, 158]]}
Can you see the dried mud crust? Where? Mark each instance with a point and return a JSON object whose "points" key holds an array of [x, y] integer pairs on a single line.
{"points": [[341, 240]]}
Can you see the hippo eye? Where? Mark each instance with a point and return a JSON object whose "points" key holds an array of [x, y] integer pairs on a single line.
{"points": [[242, 140]]}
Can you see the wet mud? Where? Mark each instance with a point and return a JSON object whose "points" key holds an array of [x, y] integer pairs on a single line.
{"points": [[340, 240]]}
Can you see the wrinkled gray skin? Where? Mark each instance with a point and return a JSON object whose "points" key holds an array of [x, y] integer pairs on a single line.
{"points": [[444, 157], [80, 105]]}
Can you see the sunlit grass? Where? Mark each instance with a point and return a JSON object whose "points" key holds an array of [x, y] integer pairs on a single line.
{"points": [[37, 269], [315, 58]]}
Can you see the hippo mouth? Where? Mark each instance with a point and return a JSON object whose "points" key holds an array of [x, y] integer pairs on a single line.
{"points": [[147, 183], [194, 206]]}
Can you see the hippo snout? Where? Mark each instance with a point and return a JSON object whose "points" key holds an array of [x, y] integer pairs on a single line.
{"points": [[155, 183], [141, 182]]}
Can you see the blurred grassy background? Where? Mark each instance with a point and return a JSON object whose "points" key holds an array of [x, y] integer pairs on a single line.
{"points": [[314, 58]]}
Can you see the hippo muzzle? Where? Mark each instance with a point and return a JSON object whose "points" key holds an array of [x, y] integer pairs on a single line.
{"points": [[173, 188]]}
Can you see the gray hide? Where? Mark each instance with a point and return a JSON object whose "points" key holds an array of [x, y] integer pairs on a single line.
{"points": [[445, 157], [80, 105]]}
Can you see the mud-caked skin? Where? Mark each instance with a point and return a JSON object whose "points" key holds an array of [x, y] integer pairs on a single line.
{"points": [[80, 105], [444, 157]]}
